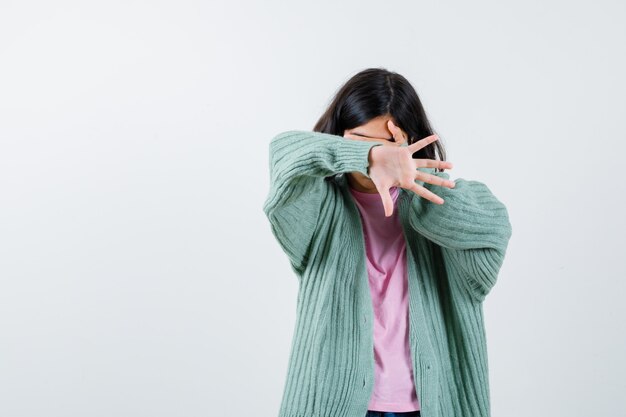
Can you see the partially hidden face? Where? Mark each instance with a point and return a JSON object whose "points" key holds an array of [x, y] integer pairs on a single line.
{"points": [[376, 130]]}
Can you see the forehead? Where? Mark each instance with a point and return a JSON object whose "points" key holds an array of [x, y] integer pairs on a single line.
{"points": [[376, 128]]}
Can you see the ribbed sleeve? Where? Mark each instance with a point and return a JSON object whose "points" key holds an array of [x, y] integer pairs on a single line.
{"points": [[453, 254], [472, 226], [299, 161]]}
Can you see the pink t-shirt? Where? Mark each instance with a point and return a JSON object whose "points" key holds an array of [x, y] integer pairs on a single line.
{"points": [[394, 389]]}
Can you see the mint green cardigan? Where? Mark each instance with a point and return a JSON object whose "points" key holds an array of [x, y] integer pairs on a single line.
{"points": [[454, 253]]}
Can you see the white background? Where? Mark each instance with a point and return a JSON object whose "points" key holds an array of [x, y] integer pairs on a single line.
{"points": [[138, 274]]}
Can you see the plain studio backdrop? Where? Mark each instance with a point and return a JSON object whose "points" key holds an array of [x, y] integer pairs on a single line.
{"points": [[138, 273]]}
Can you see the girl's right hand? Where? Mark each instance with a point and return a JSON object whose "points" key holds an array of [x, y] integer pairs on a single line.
{"points": [[393, 166]]}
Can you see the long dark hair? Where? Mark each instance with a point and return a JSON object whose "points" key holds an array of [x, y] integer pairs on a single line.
{"points": [[377, 92]]}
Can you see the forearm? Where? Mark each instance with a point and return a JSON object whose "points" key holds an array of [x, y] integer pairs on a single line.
{"points": [[299, 161], [471, 216], [298, 153], [471, 226]]}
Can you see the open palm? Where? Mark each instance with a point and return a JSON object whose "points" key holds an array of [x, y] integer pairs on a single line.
{"points": [[393, 166]]}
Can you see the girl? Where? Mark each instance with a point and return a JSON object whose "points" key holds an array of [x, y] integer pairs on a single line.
{"points": [[393, 260]]}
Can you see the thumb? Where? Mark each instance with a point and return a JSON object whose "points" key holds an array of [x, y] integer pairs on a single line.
{"points": [[387, 201]]}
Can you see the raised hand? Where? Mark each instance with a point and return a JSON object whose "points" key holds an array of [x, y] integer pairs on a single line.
{"points": [[393, 166]]}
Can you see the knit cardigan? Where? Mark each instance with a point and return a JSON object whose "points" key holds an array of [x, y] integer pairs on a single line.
{"points": [[454, 253]]}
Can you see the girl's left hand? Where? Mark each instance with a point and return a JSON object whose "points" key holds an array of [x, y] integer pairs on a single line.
{"points": [[401, 137]]}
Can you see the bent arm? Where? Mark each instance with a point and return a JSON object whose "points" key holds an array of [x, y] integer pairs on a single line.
{"points": [[299, 161], [472, 227]]}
